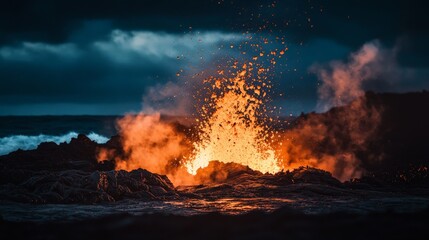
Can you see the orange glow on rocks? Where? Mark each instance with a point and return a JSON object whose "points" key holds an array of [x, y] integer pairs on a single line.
{"points": [[234, 124]]}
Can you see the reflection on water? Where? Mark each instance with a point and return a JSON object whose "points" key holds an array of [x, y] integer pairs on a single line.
{"points": [[69, 212], [231, 205]]}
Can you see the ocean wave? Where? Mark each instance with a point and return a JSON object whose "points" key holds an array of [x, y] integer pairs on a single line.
{"points": [[12, 143]]}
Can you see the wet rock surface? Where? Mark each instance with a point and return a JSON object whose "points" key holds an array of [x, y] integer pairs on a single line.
{"points": [[284, 223]]}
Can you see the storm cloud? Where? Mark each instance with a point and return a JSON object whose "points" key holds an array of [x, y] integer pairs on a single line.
{"points": [[106, 57]]}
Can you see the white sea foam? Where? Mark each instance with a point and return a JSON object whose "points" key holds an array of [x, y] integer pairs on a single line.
{"points": [[12, 143]]}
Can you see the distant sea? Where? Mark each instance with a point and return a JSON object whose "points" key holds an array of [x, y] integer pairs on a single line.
{"points": [[27, 132]]}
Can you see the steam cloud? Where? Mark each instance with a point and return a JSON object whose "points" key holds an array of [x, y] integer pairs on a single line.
{"points": [[148, 143], [152, 144], [326, 141], [343, 82], [330, 141]]}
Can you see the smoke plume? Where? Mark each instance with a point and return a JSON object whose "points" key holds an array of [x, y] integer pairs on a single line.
{"points": [[331, 141], [343, 82]]}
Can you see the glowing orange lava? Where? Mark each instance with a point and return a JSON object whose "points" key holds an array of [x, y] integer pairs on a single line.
{"points": [[230, 128], [234, 126]]}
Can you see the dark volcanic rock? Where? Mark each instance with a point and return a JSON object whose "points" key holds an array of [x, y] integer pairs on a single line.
{"points": [[75, 186], [387, 132], [219, 172], [79, 154], [70, 173], [282, 224], [313, 175], [395, 153], [224, 180]]}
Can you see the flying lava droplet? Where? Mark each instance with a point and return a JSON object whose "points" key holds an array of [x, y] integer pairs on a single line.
{"points": [[232, 131]]}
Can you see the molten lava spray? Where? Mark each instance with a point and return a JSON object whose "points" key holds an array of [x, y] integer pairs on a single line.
{"points": [[231, 128]]}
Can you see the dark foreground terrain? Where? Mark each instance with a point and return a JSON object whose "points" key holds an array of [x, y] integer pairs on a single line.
{"points": [[281, 224], [62, 191]]}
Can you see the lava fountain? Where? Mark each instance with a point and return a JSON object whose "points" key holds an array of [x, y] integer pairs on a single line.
{"points": [[231, 123], [234, 125]]}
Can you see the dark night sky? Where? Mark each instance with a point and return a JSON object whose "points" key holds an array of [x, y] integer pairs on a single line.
{"points": [[104, 56]]}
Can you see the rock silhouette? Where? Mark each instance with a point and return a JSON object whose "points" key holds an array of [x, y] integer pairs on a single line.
{"points": [[394, 156]]}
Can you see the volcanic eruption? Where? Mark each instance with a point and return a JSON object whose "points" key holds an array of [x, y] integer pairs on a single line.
{"points": [[180, 119], [234, 123], [231, 129]]}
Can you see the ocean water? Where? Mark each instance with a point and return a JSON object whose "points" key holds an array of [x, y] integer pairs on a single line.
{"points": [[27, 132]]}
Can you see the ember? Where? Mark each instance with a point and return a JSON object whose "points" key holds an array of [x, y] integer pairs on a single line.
{"points": [[231, 130]]}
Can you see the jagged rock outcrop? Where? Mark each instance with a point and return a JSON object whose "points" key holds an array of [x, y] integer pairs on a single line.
{"points": [[70, 173], [234, 180], [392, 155], [385, 133], [79, 154], [76, 186]]}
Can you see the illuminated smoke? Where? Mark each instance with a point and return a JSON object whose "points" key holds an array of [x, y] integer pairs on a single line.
{"points": [[232, 125], [342, 83], [331, 140], [149, 143]]}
